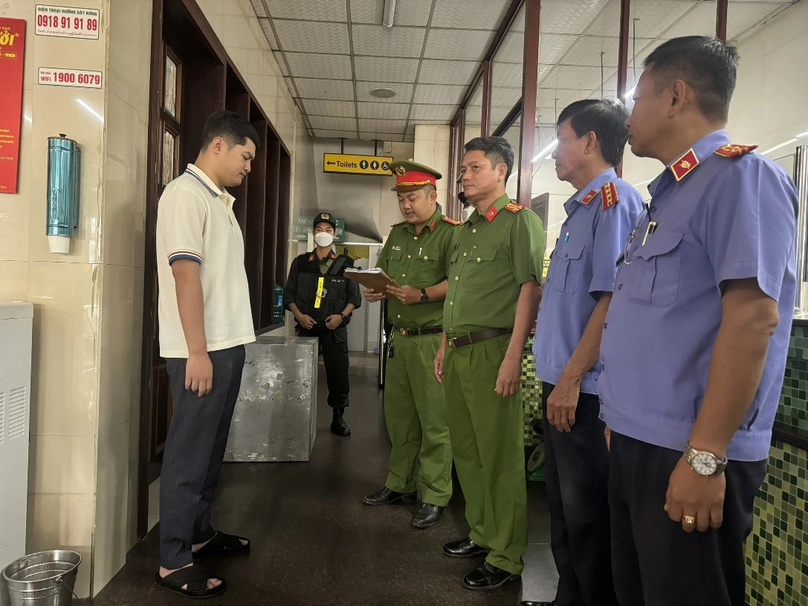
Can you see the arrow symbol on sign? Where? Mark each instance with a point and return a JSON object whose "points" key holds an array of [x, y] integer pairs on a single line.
{"points": [[330, 162]]}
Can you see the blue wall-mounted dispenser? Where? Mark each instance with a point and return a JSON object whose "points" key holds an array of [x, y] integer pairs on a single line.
{"points": [[64, 170]]}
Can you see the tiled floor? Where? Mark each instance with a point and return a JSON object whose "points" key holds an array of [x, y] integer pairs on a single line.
{"points": [[314, 542]]}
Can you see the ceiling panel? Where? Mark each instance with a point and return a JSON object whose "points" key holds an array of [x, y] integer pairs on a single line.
{"points": [[456, 44], [552, 47], [443, 113], [409, 139], [505, 97], [312, 65], [698, 22], [469, 14], [569, 16], [652, 17], [506, 74], [439, 94], [379, 41], [338, 90], [403, 92], [498, 115], [339, 109], [434, 71], [572, 76], [310, 10], [266, 27], [512, 48], [393, 111], [744, 16], [332, 123], [258, 7], [587, 51], [313, 37], [382, 126], [281, 62], [390, 69], [553, 97], [411, 12], [335, 134], [290, 86]]}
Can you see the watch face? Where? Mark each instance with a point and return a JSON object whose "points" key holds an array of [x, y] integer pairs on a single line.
{"points": [[704, 464]]}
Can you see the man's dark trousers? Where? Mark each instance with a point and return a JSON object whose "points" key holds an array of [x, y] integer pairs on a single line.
{"points": [[577, 471], [193, 455], [335, 360]]}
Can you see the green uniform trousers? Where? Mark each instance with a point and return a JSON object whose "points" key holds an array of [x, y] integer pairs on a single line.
{"points": [[488, 444], [415, 412]]}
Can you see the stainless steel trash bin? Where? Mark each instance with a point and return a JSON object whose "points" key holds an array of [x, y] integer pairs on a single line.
{"points": [[46, 578]]}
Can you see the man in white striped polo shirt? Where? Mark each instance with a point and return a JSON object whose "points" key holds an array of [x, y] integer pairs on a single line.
{"points": [[205, 320]]}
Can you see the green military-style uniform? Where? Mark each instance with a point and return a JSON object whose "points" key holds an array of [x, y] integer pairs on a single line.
{"points": [[496, 254], [413, 398]]}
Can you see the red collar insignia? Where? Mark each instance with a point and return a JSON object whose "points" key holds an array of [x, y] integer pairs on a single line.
{"points": [[491, 213], [609, 195], [684, 165], [590, 195]]}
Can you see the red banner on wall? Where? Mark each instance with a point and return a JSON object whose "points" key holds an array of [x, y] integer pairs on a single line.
{"points": [[12, 61]]}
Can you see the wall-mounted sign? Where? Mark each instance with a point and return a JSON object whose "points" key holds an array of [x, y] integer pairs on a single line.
{"points": [[302, 228], [357, 165], [12, 61], [67, 22], [80, 78]]}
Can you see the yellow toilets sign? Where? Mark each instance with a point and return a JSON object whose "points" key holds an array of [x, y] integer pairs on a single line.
{"points": [[357, 165]]}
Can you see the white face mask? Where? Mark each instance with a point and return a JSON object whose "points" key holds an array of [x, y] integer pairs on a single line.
{"points": [[466, 214], [323, 239]]}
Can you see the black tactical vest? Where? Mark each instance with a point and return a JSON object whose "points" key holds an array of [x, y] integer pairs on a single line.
{"points": [[318, 295]]}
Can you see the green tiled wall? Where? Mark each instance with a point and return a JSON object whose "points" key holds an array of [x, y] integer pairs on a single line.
{"points": [[793, 410], [531, 394], [777, 566]]}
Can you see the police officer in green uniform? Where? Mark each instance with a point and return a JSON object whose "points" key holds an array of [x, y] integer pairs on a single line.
{"points": [[490, 306], [322, 300], [416, 255]]}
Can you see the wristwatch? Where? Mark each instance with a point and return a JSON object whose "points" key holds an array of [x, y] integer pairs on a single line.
{"points": [[344, 318], [704, 462], [424, 296]]}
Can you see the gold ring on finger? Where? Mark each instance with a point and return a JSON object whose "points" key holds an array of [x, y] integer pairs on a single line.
{"points": [[689, 520]]}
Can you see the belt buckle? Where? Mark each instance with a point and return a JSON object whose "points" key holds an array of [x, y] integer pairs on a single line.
{"points": [[452, 342], [403, 332]]}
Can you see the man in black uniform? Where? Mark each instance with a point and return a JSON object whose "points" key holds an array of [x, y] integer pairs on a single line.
{"points": [[322, 300]]}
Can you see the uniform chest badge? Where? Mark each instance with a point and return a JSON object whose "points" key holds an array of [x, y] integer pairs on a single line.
{"points": [[590, 195], [684, 165]]}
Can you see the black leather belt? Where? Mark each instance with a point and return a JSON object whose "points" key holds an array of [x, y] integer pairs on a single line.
{"points": [[476, 337], [417, 332]]}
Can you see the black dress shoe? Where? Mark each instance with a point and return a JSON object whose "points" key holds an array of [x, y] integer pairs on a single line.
{"points": [[536, 603], [338, 424], [387, 497], [488, 576], [464, 548], [427, 515]]}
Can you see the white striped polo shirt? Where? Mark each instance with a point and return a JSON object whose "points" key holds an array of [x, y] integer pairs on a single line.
{"points": [[195, 221]]}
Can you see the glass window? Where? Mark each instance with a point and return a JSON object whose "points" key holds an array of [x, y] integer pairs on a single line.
{"points": [[506, 71], [170, 87], [474, 114]]}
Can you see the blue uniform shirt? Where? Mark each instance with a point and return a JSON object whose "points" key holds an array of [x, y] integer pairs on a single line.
{"points": [[582, 266], [719, 218]]}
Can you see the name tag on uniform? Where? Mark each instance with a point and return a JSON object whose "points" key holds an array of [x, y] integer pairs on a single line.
{"points": [[396, 248]]}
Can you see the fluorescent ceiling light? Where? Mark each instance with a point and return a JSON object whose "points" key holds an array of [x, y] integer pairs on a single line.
{"points": [[801, 135], [783, 144], [546, 150], [389, 13], [91, 110]]}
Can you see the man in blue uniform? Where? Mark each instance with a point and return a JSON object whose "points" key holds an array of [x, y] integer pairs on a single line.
{"points": [[591, 137], [695, 342]]}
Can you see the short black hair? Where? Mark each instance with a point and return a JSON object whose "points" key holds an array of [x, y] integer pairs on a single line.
{"points": [[231, 127], [497, 150], [705, 64], [604, 117]]}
